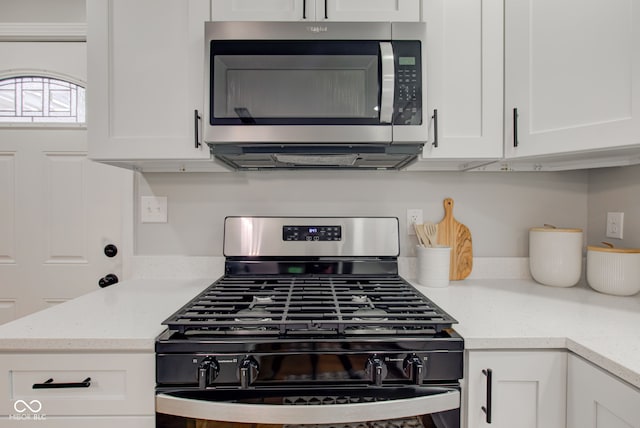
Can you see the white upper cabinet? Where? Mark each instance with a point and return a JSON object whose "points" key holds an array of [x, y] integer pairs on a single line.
{"points": [[145, 82], [464, 79], [572, 71], [315, 10]]}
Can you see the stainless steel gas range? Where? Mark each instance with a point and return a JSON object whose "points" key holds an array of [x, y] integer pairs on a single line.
{"points": [[311, 325]]}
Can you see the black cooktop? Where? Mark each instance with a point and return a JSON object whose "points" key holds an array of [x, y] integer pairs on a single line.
{"points": [[318, 305]]}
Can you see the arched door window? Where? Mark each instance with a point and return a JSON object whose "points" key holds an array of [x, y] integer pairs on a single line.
{"points": [[36, 99]]}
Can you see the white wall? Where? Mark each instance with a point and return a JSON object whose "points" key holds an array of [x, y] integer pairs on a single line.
{"points": [[498, 208], [616, 190]]}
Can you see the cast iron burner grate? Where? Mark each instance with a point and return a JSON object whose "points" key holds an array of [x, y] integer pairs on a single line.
{"points": [[316, 305]]}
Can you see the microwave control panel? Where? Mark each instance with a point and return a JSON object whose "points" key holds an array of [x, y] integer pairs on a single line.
{"points": [[408, 86]]}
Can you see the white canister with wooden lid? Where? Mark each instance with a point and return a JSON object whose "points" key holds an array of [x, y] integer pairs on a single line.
{"points": [[555, 255], [614, 270]]}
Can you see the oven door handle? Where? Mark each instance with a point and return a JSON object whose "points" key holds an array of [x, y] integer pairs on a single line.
{"points": [[388, 82], [447, 399]]}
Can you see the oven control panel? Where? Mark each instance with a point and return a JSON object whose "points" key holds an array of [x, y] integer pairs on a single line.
{"points": [[312, 233]]}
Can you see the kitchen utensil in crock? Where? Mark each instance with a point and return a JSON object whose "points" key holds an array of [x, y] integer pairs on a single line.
{"points": [[431, 232], [456, 235]]}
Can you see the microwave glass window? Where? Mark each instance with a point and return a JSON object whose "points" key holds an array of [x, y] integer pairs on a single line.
{"points": [[249, 87]]}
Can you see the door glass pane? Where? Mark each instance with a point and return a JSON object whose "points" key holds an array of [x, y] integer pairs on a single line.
{"points": [[33, 99]]}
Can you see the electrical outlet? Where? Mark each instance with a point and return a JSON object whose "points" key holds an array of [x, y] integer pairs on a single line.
{"points": [[615, 223], [153, 209], [414, 216]]}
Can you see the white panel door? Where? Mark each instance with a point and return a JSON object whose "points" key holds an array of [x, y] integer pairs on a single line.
{"points": [[572, 71], [58, 210]]}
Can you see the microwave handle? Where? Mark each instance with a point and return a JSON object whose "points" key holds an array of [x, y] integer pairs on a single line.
{"points": [[388, 82]]}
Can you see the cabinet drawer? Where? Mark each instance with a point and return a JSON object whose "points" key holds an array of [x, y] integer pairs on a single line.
{"points": [[81, 422], [120, 384]]}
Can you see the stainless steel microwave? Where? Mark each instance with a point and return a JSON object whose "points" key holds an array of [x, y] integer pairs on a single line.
{"points": [[318, 89]]}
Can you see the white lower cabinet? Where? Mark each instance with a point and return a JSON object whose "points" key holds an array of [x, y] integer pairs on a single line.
{"points": [[597, 399], [65, 389], [524, 389]]}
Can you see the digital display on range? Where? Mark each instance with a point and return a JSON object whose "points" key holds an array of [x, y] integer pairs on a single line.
{"points": [[312, 233]]}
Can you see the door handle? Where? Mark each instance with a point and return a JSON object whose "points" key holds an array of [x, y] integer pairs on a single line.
{"points": [[487, 408], [515, 127], [435, 128], [48, 384], [196, 121], [304, 9], [108, 280], [388, 82]]}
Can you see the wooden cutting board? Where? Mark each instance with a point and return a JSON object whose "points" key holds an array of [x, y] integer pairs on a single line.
{"points": [[456, 235]]}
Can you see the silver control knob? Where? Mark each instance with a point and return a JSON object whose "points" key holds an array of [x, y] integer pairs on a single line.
{"points": [[208, 371], [375, 369], [248, 370], [413, 368]]}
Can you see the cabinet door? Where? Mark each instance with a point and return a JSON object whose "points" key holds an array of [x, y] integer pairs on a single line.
{"points": [[597, 399], [262, 10], [145, 78], [528, 389], [464, 78], [572, 71], [368, 10]]}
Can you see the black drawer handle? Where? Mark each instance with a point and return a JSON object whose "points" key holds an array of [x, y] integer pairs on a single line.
{"points": [[515, 127], [196, 125], [487, 409], [435, 128], [48, 384], [326, 13]]}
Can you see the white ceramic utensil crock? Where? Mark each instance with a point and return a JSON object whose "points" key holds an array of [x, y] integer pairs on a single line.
{"points": [[614, 270], [555, 255]]}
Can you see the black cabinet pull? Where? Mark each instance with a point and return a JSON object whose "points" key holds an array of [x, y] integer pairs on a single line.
{"points": [[515, 127], [48, 384], [304, 9], [196, 123], [326, 14], [435, 128], [108, 280], [487, 409]]}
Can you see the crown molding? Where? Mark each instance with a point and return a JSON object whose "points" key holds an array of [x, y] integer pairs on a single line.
{"points": [[43, 32]]}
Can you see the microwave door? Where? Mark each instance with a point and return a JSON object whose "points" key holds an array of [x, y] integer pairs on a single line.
{"points": [[299, 91]]}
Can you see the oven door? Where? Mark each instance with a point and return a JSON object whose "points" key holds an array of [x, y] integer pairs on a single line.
{"points": [[425, 406]]}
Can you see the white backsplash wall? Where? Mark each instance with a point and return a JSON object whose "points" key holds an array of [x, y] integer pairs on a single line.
{"points": [[615, 190], [498, 208]]}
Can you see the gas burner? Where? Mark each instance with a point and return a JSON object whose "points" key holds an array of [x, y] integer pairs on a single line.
{"points": [[370, 315], [253, 315]]}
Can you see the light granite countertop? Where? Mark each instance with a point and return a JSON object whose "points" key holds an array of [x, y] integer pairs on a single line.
{"points": [[491, 314]]}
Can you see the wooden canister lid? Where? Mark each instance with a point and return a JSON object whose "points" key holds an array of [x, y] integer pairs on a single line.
{"points": [[555, 229], [613, 250]]}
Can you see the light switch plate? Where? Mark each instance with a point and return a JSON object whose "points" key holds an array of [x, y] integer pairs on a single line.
{"points": [[153, 209]]}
